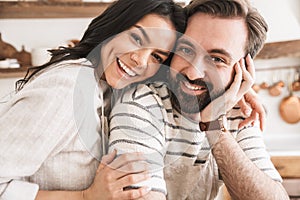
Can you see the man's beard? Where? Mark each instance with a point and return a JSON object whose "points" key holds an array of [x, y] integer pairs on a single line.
{"points": [[187, 103]]}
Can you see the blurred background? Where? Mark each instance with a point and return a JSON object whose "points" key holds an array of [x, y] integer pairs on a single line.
{"points": [[29, 28]]}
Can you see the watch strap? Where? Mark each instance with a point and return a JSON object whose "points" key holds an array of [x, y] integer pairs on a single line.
{"points": [[210, 126], [218, 124]]}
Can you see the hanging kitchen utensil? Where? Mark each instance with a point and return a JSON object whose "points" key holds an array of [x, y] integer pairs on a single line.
{"points": [[276, 88], [264, 85], [23, 57], [6, 50], [290, 106], [256, 87], [296, 83]]}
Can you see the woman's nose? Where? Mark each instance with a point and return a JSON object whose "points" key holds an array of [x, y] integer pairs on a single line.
{"points": [[140, 58]]}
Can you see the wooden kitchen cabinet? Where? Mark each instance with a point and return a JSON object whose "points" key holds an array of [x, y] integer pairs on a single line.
{"points": [[287, 166], [50, 9], [271, 50], [46, 9], [13, 73]]}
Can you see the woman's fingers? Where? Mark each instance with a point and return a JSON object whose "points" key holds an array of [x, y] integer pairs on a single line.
{"points": [[125, 164], [135, 193], [131, 179], [246, 109], [257, 107], [127, 158], [249, 120], [135, 167], [132, 193], [120, 189], [106, 159]]}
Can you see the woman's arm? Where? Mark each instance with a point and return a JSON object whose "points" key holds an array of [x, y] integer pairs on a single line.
{"points": [[34, 126], [31, 130], [113, 174]]}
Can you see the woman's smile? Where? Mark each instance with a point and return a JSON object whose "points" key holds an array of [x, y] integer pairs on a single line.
{"points": [[125, 69], [136, 54]]}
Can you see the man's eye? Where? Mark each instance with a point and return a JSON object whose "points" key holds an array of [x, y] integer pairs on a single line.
{"points": [[137, 38], [184, 50], [158, 58], [217, 59]]}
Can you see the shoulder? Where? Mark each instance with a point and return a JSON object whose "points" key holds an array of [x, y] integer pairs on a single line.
{"points": [[68, 71], [61, 78], [146, 94], [142, 100], [58, 87]]}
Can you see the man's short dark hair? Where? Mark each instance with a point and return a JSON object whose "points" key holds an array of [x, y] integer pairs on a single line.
{"points": [[257, 26]]}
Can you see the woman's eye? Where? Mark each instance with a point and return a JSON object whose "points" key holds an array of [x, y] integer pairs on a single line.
{"points": [[137, 38], [158, 58]]}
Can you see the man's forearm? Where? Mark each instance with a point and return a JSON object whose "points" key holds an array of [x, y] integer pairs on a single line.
{"points": [[243, 179]]}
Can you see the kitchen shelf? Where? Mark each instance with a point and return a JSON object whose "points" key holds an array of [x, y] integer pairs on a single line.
{"points": [[271, 50], [52, 9], [47, 9], [13, 73]]}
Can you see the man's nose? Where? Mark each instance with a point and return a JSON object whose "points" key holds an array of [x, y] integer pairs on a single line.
{"points": [[196, 69]]}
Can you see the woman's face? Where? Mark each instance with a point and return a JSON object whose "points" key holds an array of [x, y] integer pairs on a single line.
{"points": [[136, 54]]}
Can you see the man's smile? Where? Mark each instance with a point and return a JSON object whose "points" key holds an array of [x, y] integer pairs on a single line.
{"points": [[192, 89]]}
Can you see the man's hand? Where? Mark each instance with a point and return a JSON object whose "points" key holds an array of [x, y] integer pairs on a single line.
{"points": [[243, 80]]}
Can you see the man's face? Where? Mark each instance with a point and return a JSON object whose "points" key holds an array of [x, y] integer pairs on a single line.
{"points": [[203, 65]]}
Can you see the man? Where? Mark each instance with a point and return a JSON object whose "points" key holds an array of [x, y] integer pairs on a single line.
{"points": [[210, 71]]}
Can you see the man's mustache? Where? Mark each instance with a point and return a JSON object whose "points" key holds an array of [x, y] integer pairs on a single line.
{"points": [[200, 82]]}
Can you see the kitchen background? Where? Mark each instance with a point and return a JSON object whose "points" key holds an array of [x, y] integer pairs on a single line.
{"points": [[283, 17]]}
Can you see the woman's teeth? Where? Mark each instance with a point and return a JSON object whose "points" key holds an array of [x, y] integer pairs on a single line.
{"points": [[126, 69], [189, 86]]}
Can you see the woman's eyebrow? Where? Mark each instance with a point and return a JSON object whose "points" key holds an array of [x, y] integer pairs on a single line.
{"points": [[165, 53], [143, 32]]}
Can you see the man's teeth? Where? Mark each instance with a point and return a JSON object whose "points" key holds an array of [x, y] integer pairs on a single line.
{"points": [[126, 69], [189, 86]]}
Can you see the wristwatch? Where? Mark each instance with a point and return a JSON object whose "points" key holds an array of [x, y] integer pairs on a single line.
{"points": [[218, 124]]}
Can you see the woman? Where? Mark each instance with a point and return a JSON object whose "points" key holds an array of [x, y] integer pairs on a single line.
{"points": [[50, 130]]}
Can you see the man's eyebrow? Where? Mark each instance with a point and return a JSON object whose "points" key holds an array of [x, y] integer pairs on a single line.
{"points": [[186, 42], [221, 51], [143, 32]]}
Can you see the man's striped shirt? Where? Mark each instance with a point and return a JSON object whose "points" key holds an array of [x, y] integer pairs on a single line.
{"points": [[182, 164]]}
